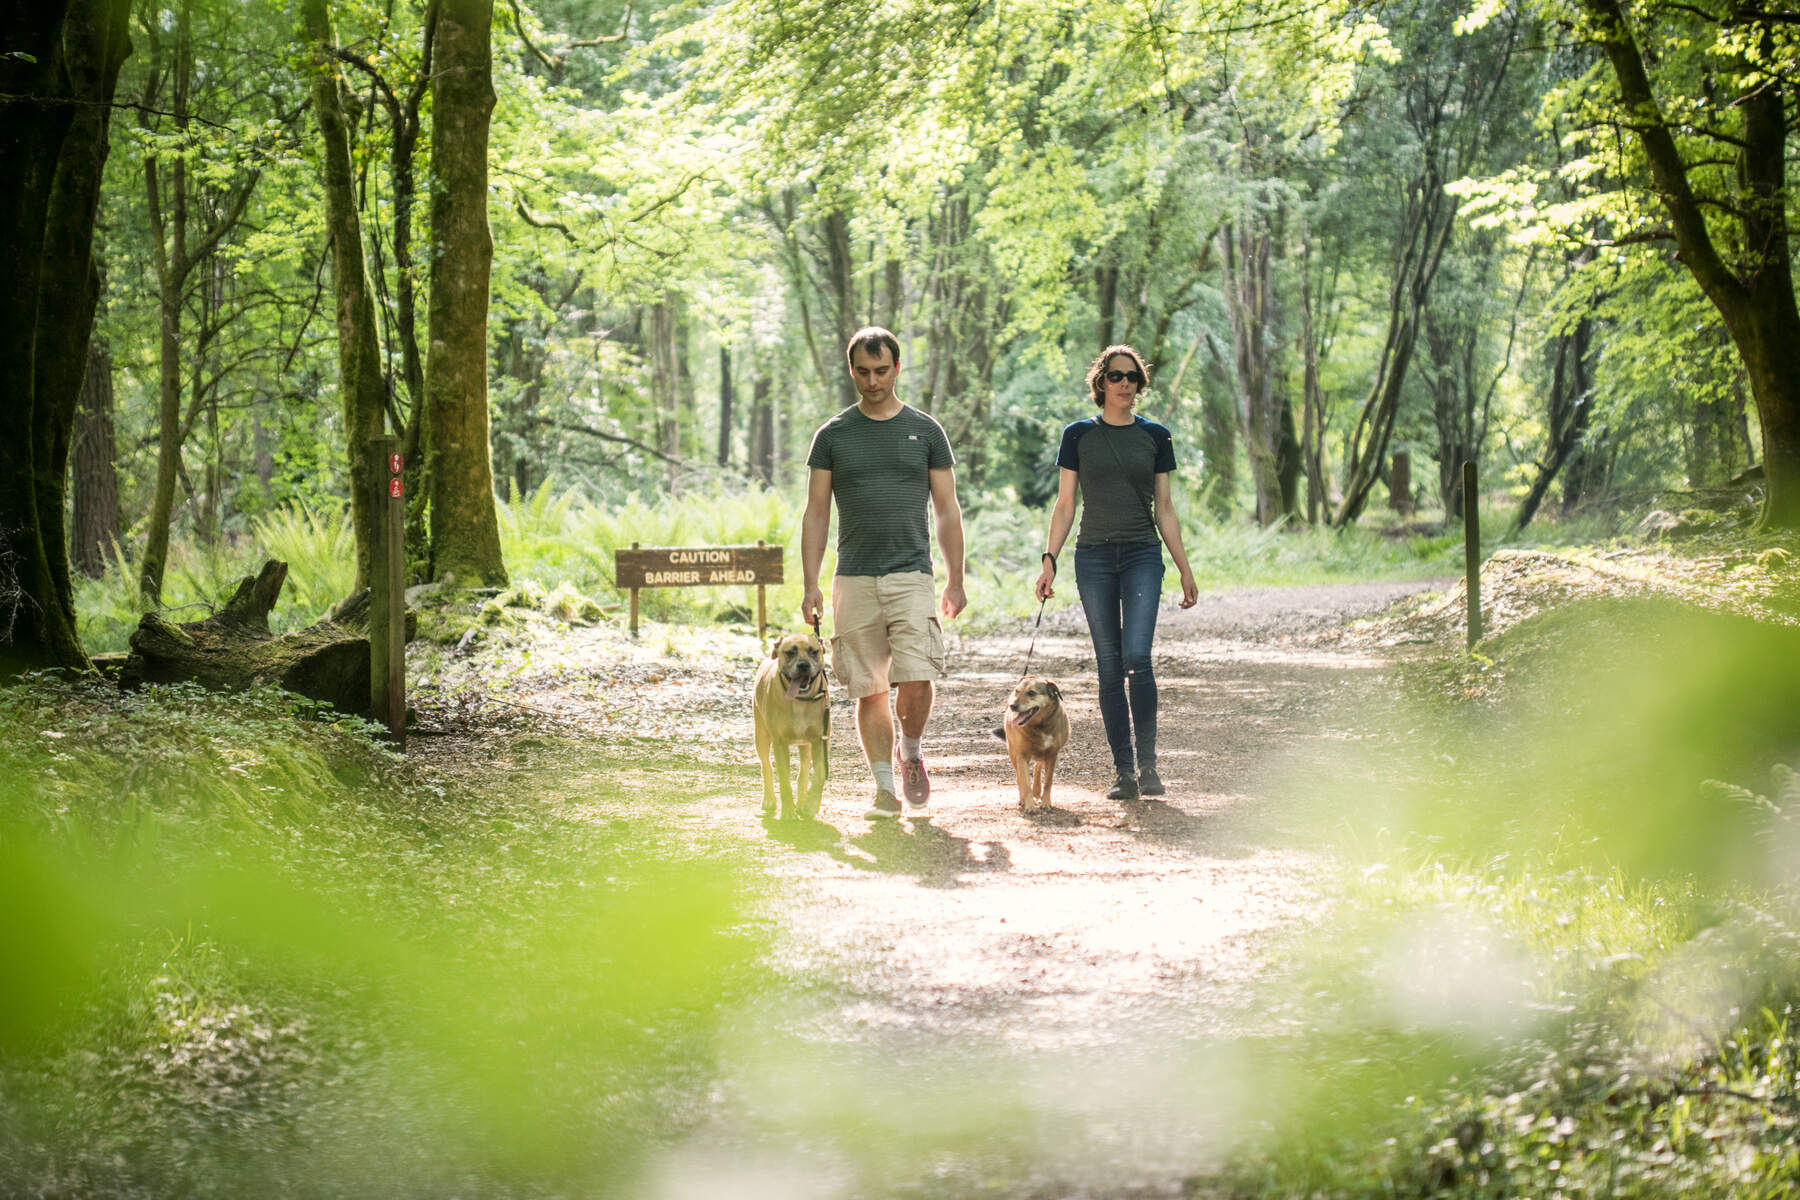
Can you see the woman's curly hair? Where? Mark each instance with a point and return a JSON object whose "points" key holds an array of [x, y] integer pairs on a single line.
{"points": [[1097, 368]]}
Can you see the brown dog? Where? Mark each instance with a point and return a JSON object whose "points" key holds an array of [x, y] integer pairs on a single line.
{"points": [[792, 706], [1036, 729]]}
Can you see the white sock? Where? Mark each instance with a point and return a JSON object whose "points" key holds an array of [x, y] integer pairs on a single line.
{"points": [[884, 776], [909, 748]]}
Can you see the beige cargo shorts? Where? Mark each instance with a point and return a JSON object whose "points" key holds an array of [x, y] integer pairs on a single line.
{"points": [[886, 631]]}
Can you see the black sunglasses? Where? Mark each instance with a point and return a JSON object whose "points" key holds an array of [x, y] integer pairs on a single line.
{"points": [[1136, 377]]}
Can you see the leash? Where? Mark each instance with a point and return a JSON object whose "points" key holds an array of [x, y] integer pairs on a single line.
{"points": [[827, 763], [1032, 649]]}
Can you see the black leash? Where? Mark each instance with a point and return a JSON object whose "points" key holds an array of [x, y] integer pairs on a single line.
{"points": [[827, 764], [1032, 649]]}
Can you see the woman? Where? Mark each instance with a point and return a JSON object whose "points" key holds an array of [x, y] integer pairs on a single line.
{"points": [[1121, 464]]}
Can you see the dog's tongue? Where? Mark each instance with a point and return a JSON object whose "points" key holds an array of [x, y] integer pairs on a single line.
{"points": [[793, 689], [1019, 718]]}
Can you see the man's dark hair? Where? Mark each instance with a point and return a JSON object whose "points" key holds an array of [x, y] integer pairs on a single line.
{"points": [[1098, 368], [870, 339]]}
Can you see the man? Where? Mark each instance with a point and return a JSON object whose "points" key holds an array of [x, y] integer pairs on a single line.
{"points": [[881, 460]]}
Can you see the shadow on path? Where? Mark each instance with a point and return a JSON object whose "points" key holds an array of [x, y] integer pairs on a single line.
{"points": [[935, 856]]}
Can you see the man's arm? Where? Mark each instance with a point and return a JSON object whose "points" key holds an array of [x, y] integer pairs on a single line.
{"points": [[949, 536], [815, 526]]}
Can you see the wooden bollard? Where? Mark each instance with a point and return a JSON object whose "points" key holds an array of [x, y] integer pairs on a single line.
{"points": [[762, 603], [1472, 550], [387, 588], [634, 593]]}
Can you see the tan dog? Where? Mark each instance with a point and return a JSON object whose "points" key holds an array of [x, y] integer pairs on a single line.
{"points": [[792, 706], [1035, 729]]}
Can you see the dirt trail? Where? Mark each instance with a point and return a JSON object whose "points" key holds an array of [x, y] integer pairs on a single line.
{"points": [[1054, 966], [1047, 930]]}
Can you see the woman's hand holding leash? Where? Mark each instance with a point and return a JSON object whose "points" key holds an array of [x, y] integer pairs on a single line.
{"points": [[1046, 578]]}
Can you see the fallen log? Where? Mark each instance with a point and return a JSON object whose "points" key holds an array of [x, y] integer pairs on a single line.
{"points": [[233, 649]]}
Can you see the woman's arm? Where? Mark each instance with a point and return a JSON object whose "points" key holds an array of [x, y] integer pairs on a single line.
{"points": [[1062, 516], [1169, 525]]}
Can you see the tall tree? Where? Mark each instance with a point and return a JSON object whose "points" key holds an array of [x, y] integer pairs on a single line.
{"points": [[361, 380], [93, 469], [1718, 170], [465, 527], [188, 221], [59, 64], [1447, 92]]}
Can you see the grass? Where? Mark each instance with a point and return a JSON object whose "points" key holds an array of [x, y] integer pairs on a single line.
{"points": [[251, 953]]}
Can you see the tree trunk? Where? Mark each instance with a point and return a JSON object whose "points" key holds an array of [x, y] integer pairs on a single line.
{"points": [[1755, 295], [843, 298], [725, 414], [1106, 304], [361, 379], [57, 75], [465, 526], [1218, 432], [175, 256], [896, 296], [663, 384], [1566, 419], [233, 649], [1312, 399], [687, 401], [95, 47], [1429, 221], [1265, 416], [762, 433], [94, 476]]}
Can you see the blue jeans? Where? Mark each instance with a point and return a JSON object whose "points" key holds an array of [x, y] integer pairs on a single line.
{"points": [[1120, 587]]}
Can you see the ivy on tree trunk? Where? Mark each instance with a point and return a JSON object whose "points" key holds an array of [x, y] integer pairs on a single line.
{"points": [[465, 529]]}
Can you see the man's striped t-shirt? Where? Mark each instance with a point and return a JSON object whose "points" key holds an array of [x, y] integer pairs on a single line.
{"points": [[881, 480]]}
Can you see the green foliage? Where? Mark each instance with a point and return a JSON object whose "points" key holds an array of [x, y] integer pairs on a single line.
{"points": [[316, 544], [263, 955], [1561, 963]]}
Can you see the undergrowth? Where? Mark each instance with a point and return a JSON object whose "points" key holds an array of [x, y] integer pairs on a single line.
{"points": [[558, 544], [250, 951], [1562, 958]]}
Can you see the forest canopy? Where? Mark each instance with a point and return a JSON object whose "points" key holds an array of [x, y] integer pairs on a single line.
{"points": [[620, 245]]}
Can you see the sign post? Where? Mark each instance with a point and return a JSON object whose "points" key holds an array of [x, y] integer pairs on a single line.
{"points": [[387, 588], [699, 566]]}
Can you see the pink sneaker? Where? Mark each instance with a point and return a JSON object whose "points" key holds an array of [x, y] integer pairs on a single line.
{"points": [[915, 783]]}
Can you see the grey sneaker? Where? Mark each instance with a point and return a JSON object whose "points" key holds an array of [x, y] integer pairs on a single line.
{"points": [[885, 808], [915, 783], [1125, 787], [1150, 783]]}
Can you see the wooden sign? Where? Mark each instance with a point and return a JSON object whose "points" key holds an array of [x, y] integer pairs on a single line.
{"points": [[696, 566], [699, 566]]}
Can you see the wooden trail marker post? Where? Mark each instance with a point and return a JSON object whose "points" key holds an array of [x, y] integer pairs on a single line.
{"points": [[387, 589], [1472, 550], [699, 566]]}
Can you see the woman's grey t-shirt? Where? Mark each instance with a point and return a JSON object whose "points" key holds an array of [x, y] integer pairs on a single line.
{"points": [[881, 480], [1117, 466]]}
